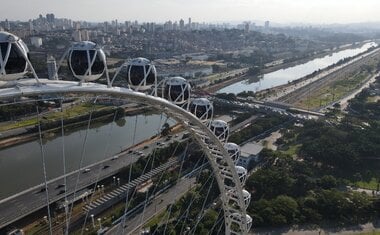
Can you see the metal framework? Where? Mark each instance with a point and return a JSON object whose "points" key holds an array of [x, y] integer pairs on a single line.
{"points": [[234, 199], [175, 102]]}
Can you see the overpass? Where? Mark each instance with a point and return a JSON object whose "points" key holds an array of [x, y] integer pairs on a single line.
{"points": [[256, 104]]}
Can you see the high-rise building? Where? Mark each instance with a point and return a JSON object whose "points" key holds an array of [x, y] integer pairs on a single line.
{"points": [[181, 24], [52, 68], [31, 26], [105, 26], [168, 25], [77, 36], [76, 25], [175, 26], [151, 27], [7, 25], [50, 18], [189, 23], [246, 27], [85, 36], [266, 24]]}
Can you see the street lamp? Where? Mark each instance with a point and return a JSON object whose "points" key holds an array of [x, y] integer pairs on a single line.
{"points": [[114, 180], [93, 221], [100, 223], [102, 187], [118, 181]]}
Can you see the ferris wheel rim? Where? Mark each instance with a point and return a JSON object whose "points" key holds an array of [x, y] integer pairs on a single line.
{"points": [[29, 87]]}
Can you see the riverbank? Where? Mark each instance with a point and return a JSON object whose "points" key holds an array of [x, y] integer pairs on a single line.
{"points": [[30, 133], [322, 91], [290, 93], [225, 83]]}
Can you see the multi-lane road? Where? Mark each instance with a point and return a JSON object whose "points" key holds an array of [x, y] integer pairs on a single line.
{"points": [[24, 203], [311, 85]]}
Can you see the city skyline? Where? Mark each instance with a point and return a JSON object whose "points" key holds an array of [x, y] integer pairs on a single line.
{"points": [[284, 11]]}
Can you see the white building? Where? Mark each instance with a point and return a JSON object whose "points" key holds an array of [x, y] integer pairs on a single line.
{"points": [[52, 69], [249, 152], [85, 36], [36, 41], [77, 36]]}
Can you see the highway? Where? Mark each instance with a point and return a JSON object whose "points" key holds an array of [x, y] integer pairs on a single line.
{"points": [[159, 203], [271, 107], [317, 83], [243, 123], [344, 100], [24, 203]]}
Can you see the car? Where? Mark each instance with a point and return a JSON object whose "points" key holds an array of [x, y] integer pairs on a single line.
{"points": [[146, 146], [130, 151], [60, 186], [86, 170], [114, 157], [158, 143], [106, 166]]}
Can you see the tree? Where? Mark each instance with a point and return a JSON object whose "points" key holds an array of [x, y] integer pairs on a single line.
{"points": [[287, 207], [165, 130], [328, 182]]}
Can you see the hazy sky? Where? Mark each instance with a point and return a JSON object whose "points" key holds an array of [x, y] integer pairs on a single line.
{"points": [[281, 11]]}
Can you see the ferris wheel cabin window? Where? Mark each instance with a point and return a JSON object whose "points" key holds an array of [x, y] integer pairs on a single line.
{"points": [[136, 75], [79, 62], [16, 62], [98, 65]]}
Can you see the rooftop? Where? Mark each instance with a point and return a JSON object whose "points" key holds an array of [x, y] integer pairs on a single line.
{"points": [[251, 149]]}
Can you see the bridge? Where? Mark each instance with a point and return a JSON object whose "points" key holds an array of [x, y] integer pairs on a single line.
{"points": [[256, 104]]}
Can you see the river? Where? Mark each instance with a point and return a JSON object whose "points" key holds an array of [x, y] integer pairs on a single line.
{"points": [[283, 76], [21, 165]]}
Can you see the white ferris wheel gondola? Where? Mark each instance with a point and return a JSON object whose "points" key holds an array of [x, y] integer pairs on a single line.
{"points": [[141, 74], [13, 57], [233, 150], [242, 173], [86, 61], [176, 90], [235, 198], [221, 129], [202, 108], [238, 218]]}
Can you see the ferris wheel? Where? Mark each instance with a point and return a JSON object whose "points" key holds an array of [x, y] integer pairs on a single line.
{"points": [[170, 98]]}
